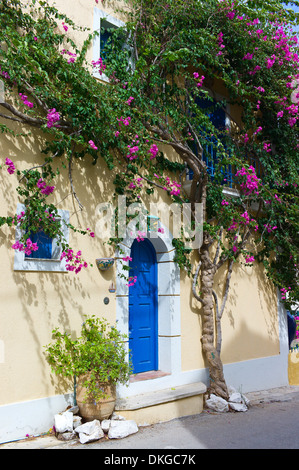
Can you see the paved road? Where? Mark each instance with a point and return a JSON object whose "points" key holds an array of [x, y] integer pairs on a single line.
{"points": [[263, 426]]}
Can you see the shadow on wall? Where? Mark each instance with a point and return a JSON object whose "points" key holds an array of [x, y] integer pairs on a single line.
{"points": [[251, 306], [39, 302], [44, 305]]}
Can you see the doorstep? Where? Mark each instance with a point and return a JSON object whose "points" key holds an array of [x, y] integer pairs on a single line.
{"points": [[150, 375], [161, 396]]}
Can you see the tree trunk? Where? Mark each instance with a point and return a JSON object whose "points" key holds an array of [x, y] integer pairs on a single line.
{"points": [[217, 382]]}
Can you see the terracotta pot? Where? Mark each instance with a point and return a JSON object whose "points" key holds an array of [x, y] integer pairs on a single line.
{"points": [[89, 409]]}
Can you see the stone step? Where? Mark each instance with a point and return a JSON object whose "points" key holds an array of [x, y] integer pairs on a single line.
{"points": [[145, 400]]}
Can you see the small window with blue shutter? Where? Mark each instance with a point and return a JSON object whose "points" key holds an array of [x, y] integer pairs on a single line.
{"points": [[44, 243], [48, 255], [104, 25]]}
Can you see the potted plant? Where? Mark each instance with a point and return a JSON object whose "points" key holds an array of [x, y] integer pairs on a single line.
{"points": [[97, 361]]}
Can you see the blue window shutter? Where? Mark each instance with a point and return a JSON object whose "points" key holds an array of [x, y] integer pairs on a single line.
{"points": [[216, 114], [44, 243], [104, 38], [217, 117]]}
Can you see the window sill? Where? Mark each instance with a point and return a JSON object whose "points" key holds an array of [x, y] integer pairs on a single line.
{"points": [[231, 192], [46, 260]]}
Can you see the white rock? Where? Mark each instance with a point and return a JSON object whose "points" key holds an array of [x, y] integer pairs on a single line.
{"points": [[119, 428], [89, 427], [217, 403], [63, 422], [116, 416], [95, 436], [238, 406], [105, 424], [90, 431], [245, 400], [235, 397], [67, 436], [77, 421]]}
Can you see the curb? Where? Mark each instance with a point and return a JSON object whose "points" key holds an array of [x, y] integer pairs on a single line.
{"points": [[280, 394]]}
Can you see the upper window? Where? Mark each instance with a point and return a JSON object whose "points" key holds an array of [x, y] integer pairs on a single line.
{"points": [[103, 24], [47, 257], [220, 120]]}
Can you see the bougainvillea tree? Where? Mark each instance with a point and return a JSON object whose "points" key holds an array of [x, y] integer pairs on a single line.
{"points": [[162, 68]]}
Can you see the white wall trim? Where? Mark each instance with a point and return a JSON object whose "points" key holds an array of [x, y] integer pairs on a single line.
{"points": [[33, 417], [169, 310], [98, 17]]}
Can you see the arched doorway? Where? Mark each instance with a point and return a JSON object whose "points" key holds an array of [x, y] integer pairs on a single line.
{"points": [[143, 307]]}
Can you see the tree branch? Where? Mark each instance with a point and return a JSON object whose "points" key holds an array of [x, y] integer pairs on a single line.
{"points": [[72, 185], [194, 283], [25, 118]]}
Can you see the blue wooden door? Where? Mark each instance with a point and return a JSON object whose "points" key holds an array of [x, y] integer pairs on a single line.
{"points": [[143, 308]]}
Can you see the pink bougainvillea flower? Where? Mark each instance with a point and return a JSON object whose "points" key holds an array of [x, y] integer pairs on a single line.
{"points": [[11, 167], [199, 84], [28, 248], [154, 151], [129, 101], [25, 101], [271, 61], [74, 261], [248, 56], [251, 183], [53, 116], [41, 183], [132, 281], [100, 64], [132, 152], [267, 147], [125, 121], [259, 129], [46, 190], [260, 89], [92, 145], [140, 236], [224, 203]]}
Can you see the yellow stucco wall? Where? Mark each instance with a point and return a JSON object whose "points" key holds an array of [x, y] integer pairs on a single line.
{"points": [[32, 304], [293, 367]]}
